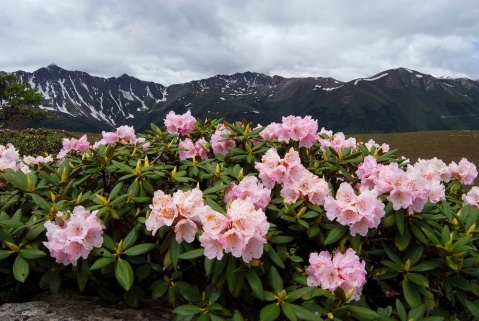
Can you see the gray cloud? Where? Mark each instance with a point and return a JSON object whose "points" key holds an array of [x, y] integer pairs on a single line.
{"points": [[178, 41]]}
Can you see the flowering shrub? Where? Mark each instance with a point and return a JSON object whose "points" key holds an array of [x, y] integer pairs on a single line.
{"points": [[231, 222]]}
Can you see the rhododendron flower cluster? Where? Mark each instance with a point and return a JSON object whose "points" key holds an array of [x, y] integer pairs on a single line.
{"points": [[125, 134], [190, 150], [242, 232], [249, 189], [296, 181], [179, 124], [182, 209], [359, 212], [465, 171], [10, 158], [411, 189], [78, 235], [472, 197], [335, 141], [344, 270], [302, 130], [29, 160], [371, 143], [76, 145], [220, 142]]}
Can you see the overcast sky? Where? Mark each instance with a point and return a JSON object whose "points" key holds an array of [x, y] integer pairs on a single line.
{"points": [[177, 41]]}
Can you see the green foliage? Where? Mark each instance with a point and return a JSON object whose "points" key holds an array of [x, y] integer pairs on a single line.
{"points": [[34, 141], [419, 267], [18, 103]]}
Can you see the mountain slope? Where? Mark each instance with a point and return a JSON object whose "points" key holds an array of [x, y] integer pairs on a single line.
{"points": [[395, 100]]}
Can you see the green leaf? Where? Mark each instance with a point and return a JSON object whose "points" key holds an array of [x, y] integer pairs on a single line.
{"points": [[130, 238], [288, 311], [402, 240], [305, 314], [187, 309], [426, 266], [400, 221], [473, 307], [124, 274], [4, 254], [280, 239], [237, 316], [275, 280], [417, 312], [40, 201], [139, 249], [401, 311], [193, 254], [298, 293], [32, 253], [335, 234], [159, 288], [411, 293], [102, 262], [270, 312], [363, 313], [20, 269], [393, 256], [273, 255], [255, 284], [124, 167], [418, 279], [214, 189]]}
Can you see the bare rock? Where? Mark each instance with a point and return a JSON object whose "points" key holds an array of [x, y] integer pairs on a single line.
{"points": [[76, 308]]}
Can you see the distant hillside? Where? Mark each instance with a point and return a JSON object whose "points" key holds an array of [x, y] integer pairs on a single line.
{"points": [[396, 100]]}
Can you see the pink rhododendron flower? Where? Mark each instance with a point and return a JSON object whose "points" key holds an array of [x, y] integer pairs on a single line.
{"points": [[80, 233], [201, 147], [9, 157], [249, 189], [465, 171], [182, 209], [126, 134], [188, 150], [344, 270], [409, 189], [76, 145], [296, 181], [371, 143], [109, 137], [302, 130], [179, 124], [472, 197], [359, 212], [336, 141], [241, 232], [220, 142], [270, 131], [29, 160]]}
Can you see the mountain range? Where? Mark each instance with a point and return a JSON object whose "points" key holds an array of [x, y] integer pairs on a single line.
{"points": [[395, 100]]}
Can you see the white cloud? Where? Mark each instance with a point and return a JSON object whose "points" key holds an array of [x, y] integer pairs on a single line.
{"points": [[178, 41]]}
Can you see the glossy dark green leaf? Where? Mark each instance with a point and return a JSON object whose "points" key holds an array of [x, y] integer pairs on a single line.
{"points": [[21, 269], [255, 283], [124, 274], [335, 234], [270, 312], [139, 249], [275, 280], [193, 254]]}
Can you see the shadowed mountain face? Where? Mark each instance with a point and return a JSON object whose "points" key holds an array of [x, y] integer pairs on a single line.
{"points": [[397, 100]]}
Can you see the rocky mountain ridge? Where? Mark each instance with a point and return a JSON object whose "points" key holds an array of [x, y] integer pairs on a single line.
{"points": [[395, 100]]}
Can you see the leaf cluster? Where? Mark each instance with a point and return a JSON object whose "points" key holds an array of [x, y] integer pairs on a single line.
{"points": [[419, 267]]}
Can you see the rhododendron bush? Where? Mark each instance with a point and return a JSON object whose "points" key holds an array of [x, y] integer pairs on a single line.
{"points": [[227, 221]]}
